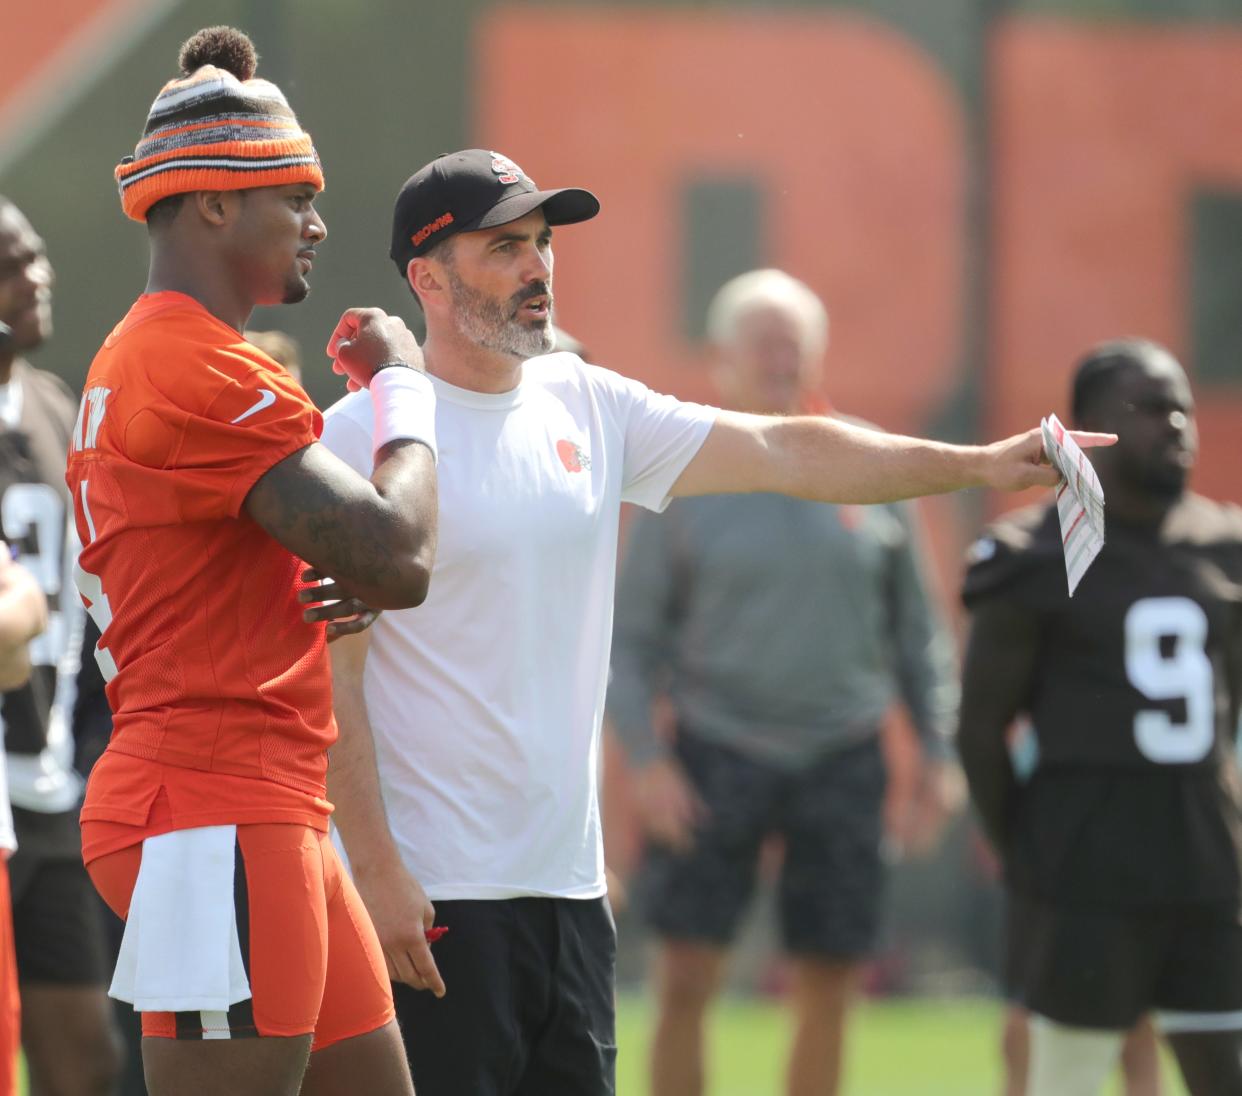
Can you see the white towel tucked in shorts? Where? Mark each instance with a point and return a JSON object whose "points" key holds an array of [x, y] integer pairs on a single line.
{"points": [[180, 951]]}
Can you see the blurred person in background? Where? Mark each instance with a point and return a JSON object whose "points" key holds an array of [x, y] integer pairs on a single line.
{"points": [[465, 777], [1120, 824], [563, 340], [281, 347], [781, 631], [70, 1041], [23, 615]]}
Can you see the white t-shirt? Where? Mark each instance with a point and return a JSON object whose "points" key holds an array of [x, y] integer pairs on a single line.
{"points": [[486, 701]]}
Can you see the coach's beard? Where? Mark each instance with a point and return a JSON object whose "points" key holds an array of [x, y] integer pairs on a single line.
{"points": [[494, 326]]}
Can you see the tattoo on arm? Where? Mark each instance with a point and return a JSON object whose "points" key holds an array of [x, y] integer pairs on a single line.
{"points": [[317, 509]]}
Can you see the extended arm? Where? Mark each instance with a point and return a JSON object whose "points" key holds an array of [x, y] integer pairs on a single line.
{"points": [[375, 537], [830, 460], [397, 903], [996, 684]]}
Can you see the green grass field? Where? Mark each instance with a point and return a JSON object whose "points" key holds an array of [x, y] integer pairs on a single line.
{"points": [[916, 1047], [901, 1048]]}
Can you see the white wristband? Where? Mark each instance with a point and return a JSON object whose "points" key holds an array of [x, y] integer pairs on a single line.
{"points": [[405, 407]]}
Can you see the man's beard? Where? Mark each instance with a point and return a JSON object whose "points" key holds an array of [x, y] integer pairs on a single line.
{"points": [[494, 326], [1160, 480], [296, 291], [1166, 482]]}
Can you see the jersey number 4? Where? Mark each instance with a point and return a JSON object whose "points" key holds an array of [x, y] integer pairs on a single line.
{"points": [[1166, 660], [92, 591]]}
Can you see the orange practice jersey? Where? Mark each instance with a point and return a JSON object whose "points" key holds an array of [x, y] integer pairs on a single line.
{"points": [[220, 691]]}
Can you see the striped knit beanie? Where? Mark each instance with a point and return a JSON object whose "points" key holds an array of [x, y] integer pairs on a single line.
{"points": [[216, 128]]}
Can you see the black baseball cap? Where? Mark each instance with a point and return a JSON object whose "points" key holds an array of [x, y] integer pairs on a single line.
{"points": [[475, 188]]}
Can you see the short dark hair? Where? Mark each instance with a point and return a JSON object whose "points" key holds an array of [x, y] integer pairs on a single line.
{"points": [[443, 250], [165, 211], [1096, 372]]}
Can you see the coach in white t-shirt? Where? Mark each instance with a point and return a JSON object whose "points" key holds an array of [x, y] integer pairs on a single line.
{"points": [[465, 775]]}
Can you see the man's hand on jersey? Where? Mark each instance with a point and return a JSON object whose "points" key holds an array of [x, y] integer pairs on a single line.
{"points": [[402, 914], [326, 601], [671, 808], [1020, 462], [368, 337]]}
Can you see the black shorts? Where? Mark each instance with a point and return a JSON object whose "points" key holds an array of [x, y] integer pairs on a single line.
{"points": [[831, 818], [1102, 838], [529, 1004], [1104, 969], [58, 927]]}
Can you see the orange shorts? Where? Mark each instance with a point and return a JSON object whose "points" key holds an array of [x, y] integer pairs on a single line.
{"points": [[310, 953], [10, 1008]]}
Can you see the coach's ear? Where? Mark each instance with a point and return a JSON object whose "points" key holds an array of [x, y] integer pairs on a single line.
{"points": [[425, 280]]}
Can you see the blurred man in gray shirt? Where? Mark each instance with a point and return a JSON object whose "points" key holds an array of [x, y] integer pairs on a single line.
{"points": [[781, 631]]}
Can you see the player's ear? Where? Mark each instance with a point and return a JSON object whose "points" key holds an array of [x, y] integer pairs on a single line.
{"points": [[213, 206]]}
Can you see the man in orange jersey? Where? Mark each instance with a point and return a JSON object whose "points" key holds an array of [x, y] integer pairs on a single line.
{"points": [[200, 487]]}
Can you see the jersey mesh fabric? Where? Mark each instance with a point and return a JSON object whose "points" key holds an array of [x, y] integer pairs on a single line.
{"points": [[217, 674]]}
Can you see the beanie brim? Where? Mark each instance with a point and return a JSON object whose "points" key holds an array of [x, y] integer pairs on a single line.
{"points": [[143, 184]]}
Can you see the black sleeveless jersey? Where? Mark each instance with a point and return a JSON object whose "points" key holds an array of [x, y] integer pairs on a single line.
{"points": [[35, 518], [1134, 703]]}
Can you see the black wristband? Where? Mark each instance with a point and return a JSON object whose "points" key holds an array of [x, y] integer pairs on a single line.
{"points": [[391, 365]]}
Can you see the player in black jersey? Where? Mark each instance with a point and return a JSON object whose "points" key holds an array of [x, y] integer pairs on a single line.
{"points": [[1122, 845], [67, 1033]]}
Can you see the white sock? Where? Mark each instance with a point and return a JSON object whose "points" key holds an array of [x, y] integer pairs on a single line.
{"points": [[1070, 1061]]}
